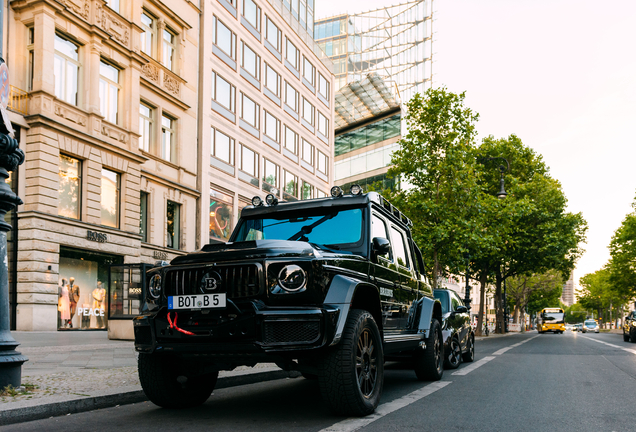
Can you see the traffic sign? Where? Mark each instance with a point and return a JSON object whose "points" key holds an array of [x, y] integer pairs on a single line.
{"points": [[4, 85]]}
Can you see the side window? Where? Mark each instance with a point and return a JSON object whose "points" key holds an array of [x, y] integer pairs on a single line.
{"points": [[378, 229], [455, 302], [399, 248]]}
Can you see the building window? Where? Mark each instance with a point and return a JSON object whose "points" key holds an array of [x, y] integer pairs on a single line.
{"points": [[224, 38], [110, 198], [223, 92], [270, 175], [323, 125], [145, 127], [221, 211], [291, 97], [169, 49], [113, 4], [291, 140], [292, 55], [147, 36], [272, 127], [66, 70], [222, 147], [320, 194], [30, 48], [308, 191], [250, 111], [308, 152], [70, 187], [248, 161], [250, 61], [143, 216], [290, 184], [308, 112], [272, 80], [309, 72], [323, 162], [168, 149], [273, 34], [108, 91], [323, 87], [173, 225], [252, 13]]}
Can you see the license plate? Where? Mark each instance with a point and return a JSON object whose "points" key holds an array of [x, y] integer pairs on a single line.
{"points": [[196, 301]]}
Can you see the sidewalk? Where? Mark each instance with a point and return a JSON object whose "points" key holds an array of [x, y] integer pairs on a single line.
{"points": [[71, 372]]}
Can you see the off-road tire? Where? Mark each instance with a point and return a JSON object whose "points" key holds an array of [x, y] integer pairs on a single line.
{"points": [[453, 358], [429, 363], [167, 387], [625, 337], [632, 335], [469, 355], [309, 376], [358, 357]]}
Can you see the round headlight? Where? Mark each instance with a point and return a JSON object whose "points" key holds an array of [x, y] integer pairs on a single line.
{"points": [[257, 201], [336, 192], [355, 189], [292, 278], [271, 199], [154, 286]]}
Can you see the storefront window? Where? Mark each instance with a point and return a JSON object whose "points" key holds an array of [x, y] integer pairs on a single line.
{"points": [[110, 198], [143, 216], [221, 212], [82, 289], [126, 290], [69, 190], [173, 219]]}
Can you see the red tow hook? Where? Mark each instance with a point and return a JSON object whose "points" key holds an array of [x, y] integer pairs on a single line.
{"points": [[174, 325]]}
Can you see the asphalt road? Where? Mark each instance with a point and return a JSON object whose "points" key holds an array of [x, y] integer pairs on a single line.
{"points": [[519, 382]]}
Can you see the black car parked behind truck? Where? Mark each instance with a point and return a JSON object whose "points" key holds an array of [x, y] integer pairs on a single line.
{"points": [[329, 287]]}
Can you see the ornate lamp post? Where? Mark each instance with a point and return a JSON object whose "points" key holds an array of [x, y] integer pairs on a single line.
{"points": [[501, 195], [10, 157]]}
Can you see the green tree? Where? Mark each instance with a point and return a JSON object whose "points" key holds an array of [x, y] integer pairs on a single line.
{"points": [[622, 264], [575, 314], [599, 294], [436, 158], [522, 288]]}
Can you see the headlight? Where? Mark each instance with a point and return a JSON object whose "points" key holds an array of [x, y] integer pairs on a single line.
{"points": [[292, 278], [154, 286]]}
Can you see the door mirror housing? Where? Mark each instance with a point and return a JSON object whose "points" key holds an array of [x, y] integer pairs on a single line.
{"points": [[461, 309], [381, 246]]}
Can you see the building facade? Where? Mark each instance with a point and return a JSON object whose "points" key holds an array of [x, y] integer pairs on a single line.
{"points": [[108, 126], [266, 112], [567, 297]]}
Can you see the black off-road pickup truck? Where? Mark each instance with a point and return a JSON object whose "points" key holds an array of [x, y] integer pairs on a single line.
{"points": [[331, 287]]}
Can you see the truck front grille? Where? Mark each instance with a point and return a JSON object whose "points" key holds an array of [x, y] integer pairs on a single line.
{"points": [[239, 281]]}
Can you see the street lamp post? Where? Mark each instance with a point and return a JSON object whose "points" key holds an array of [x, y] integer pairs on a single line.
{"points": [[501, 195], [467, 296]]}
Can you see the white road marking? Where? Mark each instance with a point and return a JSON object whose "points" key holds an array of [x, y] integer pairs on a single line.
{"points": [[609, 344], [503, 350], [471, 367], [353, 424]]}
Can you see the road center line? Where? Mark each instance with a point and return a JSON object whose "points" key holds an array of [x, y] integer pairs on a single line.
{"points": [[471, 367], [503, 350], [353, 424]]}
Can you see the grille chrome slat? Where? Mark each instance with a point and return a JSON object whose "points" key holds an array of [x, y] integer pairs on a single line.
{"points": [[239, 281]]}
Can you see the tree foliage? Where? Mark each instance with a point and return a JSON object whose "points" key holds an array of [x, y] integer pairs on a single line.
{"points": [[540, 289], [622, 264]]}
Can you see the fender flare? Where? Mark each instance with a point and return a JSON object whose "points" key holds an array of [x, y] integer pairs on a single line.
{"points": [[429, 308], [340, 295]]}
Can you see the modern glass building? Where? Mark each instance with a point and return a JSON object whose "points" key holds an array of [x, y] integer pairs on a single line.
{"points": [[394, 42]]}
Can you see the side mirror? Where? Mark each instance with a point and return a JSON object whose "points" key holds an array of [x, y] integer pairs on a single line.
{"points": [[461, 309], [381, 246]]}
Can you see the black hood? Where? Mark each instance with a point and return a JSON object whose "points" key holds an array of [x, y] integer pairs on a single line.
{"points": [[255, 249]]}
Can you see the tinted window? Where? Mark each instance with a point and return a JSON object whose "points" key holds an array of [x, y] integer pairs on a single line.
{"points": [[442, 296], [455, 302], [399, 248]]}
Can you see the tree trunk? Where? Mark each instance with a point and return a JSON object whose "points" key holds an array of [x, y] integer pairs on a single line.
{"points": [[515, 314], [522, 321], [483, 278], [499, 328]]}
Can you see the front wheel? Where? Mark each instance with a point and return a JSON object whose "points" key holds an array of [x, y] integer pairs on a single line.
{"points": [[170, 384], [351, 376], [429, 363], [469, 355], [625, 337]]}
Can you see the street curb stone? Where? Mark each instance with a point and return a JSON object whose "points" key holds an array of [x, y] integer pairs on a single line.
{"points": [[33, 411]]}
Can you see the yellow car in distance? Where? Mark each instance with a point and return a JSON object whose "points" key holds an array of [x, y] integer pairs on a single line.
{"points": [[551, 320]]}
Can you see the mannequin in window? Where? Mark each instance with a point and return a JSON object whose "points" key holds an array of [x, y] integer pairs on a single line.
{"points": [[63, 303], [99, 294], [74, 295]]}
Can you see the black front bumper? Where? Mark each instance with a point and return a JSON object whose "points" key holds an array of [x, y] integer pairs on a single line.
{"points": [[253, 332]]}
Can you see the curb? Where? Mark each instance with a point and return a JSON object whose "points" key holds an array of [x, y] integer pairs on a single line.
{"points": [[75, 406]]}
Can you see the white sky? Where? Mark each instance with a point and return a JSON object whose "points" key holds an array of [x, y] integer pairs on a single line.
{"points": [[561, 74]]}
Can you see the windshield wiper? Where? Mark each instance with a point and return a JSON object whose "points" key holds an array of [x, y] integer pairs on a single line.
{"points": [[307, 229]]}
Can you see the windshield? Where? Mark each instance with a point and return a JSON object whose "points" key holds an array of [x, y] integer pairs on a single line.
{"points": [[554, 317], [590, 324], [329, 229]]}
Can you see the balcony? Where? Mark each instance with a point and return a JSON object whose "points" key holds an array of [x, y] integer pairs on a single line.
{"points": [[18, 100]]}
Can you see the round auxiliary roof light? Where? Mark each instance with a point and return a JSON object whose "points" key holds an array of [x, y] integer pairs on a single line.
{"points": [[336, 192], [257, 201], [270, 199], [355, 189]]}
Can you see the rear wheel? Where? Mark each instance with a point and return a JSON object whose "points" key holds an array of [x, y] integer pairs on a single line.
{"points": [[351, 376], [169, 384], [454, 356], [469, 355], [429, 363]]}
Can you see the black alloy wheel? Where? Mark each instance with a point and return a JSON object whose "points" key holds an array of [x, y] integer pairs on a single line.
{"points": [[429, 362], [366, 363], [469, 355], [454, 356]]}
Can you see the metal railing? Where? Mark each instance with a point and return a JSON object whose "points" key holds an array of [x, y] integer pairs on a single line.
{"points": [[18, 100]]}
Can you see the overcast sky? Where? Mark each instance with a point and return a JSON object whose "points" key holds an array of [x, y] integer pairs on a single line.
{"points": [[560, 74]]}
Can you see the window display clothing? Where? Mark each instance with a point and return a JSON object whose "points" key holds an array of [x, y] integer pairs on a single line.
{"points": [[74, 295], [63, 304], [99, 294]]}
